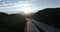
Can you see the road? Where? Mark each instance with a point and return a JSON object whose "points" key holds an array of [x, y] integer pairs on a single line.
{"points": [[31, 27], [34, 26]]}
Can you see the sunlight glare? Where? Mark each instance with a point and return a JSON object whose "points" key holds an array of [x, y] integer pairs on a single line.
{"points": [[26, 10]]}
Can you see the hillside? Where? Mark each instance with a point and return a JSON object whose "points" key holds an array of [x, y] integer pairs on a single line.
{"points": [[12, 22], [50, 16]]}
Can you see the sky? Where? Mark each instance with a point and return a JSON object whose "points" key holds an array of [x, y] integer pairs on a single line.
{"points": [[13, 6]]}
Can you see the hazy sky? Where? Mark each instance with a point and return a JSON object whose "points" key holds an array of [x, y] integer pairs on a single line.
{"points": [[33, 5]]}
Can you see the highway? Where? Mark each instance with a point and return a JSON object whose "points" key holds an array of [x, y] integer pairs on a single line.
{"points": [[35, 26], [31, 27]]}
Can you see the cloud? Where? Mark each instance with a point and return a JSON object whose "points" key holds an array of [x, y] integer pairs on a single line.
{"points": [[14, 5], [0, 0], [18, 4], [30, 0]]}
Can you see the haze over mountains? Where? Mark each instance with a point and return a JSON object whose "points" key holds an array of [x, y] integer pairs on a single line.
{"points": [[16, 22]]}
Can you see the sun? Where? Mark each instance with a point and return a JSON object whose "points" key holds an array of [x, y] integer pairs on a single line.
{"points": [[26, 10]]}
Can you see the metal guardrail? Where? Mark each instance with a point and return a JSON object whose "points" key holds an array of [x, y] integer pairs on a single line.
{"points": [[44, 28], [37, 28]]}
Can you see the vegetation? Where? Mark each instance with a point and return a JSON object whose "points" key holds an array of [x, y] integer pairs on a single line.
{"points": [[12, 22], [50, 16]]}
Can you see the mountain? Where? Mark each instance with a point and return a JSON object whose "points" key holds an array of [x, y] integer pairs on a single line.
{"points": [[50, 16], [12, 22]]}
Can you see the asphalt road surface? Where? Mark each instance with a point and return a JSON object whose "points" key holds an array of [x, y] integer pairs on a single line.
{"points": [[31, 27], [44, 27], [34, 26]]}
